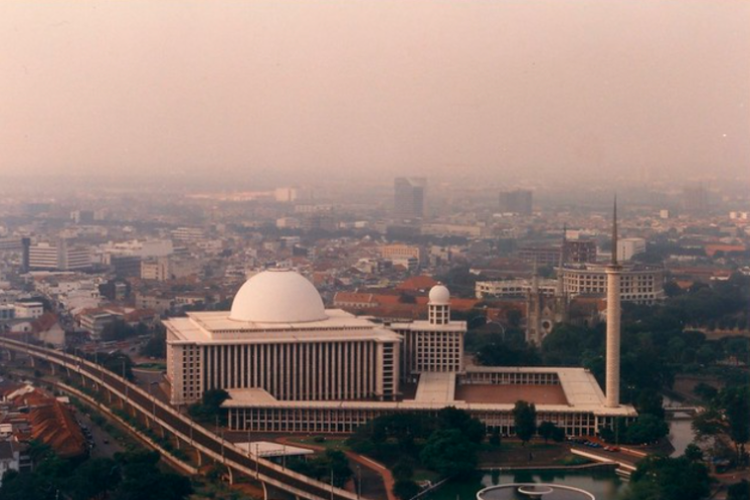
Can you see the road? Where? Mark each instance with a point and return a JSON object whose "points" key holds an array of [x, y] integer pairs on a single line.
{"points": [[186, 429]]}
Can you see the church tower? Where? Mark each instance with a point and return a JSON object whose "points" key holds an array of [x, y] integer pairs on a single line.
{"points": [[534, 310]]}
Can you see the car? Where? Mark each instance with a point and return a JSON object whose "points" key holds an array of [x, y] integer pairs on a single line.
{"points": [[106, 441]]}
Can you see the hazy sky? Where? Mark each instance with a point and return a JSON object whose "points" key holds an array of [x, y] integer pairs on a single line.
{"points": [[506, 88]]}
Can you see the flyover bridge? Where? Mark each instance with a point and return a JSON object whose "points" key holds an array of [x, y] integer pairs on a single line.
{"points": [[181, 428]]}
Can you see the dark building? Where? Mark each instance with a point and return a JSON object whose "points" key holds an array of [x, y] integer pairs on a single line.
{"points": [[126, 266], [518, 202], [695, 199], [579, 251], [541, 255], [409, 197], [26, 263]]}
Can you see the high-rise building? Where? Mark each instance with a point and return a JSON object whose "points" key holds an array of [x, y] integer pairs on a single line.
{"points": [[409, 195], [518, 202]]}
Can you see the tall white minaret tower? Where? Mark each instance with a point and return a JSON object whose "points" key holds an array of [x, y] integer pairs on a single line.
{"points": [[614, 271]]}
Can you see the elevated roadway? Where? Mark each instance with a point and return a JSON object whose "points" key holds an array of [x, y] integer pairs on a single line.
{"points": [[183, 429]]}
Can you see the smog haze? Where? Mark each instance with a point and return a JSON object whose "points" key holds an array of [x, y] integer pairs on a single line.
{"points": [[467, 89]]}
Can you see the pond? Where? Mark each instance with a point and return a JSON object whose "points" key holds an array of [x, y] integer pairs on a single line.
{"points": [[603, 484]]}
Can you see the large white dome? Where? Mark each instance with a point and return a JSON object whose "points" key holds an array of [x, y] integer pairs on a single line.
{"points": [[278, 296]]}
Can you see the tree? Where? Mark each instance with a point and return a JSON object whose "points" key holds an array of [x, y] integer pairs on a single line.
{"points": [[739, 491], [448, 453], [402, 471], [693, 453], [558, 434], [338, 466], [651, 402], [546, 430], [453, 418], [706, 392], [664, 478], [405, 489], [156, 347], [210, 405], [647, 429], [93, 478], [117, 330], [735, 401], [495, 437], [524, 418]]}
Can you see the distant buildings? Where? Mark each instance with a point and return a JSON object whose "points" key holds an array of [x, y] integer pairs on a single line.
{"points": [[540, 255], [695, 199], [409, 256], [409, 194], [518, 202], [60, 256]]}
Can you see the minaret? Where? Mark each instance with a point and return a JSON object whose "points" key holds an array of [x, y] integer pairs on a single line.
{"points": [[614, 270]]}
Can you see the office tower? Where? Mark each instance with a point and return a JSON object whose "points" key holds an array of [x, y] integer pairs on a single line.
{"points": [[518, 202], [26, 242], [409, 196], [695, 199]]}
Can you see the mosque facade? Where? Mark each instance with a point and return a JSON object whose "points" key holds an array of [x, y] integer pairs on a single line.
{"points": [[290, 365]]}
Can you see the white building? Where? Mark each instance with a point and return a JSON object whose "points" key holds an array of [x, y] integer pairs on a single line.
{"points": [[627, 248], [278, 339], [512, 288], [61, 256], [639, 284], [28, 310], [290, 365]]}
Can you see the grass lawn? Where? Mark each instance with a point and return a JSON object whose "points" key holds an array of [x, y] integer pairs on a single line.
{"points": [[152, 366], [330, 443]]}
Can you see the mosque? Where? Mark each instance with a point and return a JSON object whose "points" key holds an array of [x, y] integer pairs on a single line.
{"points": [[290, 365]]}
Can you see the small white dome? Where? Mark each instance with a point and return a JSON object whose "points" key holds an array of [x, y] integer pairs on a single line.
{"points": [[439, 295], [278, 296]]}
